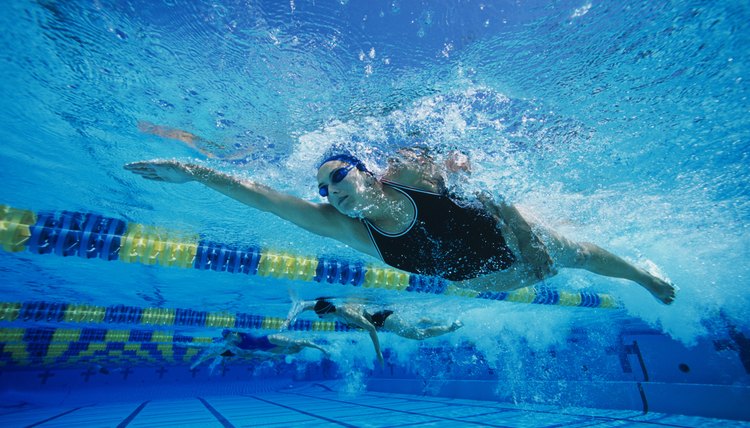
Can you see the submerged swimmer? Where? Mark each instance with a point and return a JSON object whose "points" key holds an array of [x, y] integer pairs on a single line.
{"points": [[385, 320], [408, 219], [235, 343]]}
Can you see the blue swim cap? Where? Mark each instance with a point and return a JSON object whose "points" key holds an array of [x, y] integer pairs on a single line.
{"points": [[344, 157], [342, 153]]}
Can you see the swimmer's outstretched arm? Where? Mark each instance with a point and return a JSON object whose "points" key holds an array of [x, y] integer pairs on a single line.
{"points": [[322, 219], [352, 315]]}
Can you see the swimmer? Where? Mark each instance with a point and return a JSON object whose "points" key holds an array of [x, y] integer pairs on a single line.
{"points": [[235, 343], [409, 220], [385, 320], [207, 148]]}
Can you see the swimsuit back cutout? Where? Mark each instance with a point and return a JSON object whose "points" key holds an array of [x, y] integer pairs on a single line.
{"points": [[378, 318], [255, 343], [445, 239]]}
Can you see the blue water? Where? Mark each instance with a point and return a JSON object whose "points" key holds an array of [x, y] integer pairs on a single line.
{"points": [[620, 123]]}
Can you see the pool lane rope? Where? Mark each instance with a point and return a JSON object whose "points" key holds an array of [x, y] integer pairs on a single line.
{"points": [[121, 314], [37, 346], [89, 235]]}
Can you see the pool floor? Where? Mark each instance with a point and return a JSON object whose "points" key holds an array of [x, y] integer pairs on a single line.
{"points": [[318, 405]]}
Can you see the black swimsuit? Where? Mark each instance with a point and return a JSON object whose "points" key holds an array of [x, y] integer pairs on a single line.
{"points": [[250, 342], [444, 239], [378, 318], [255, 343]]}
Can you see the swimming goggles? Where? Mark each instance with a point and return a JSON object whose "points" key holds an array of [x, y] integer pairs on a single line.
{"points": [[336, 177]]}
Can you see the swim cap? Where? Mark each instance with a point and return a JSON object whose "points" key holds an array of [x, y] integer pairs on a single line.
{"points": [[342, 154], [343, 157]]}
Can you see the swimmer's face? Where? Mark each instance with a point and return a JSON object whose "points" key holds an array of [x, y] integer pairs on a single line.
{"points": [[343, 184]]}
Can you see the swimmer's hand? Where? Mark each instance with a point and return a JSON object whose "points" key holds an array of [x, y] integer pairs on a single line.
{"points": [[457, 162], [170, 171]]}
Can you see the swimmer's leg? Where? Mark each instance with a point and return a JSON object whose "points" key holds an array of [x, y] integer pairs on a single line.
{"points": [[193, 141], [218, 360], [591, 257], [201, 358], [518, 276], [397, 325]]}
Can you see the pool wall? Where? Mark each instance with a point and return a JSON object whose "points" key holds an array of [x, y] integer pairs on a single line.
{"points": [[645, 371]]}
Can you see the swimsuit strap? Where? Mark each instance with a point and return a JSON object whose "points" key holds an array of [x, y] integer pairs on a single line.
{"points": [[401, 189], [408, 188]]}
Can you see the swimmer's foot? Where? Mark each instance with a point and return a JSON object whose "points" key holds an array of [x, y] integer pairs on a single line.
{"points": [[662, 290], [456, 325], [297, 308]]}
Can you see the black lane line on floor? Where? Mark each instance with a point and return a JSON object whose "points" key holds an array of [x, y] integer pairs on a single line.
{"points": [[55, 417], [413, 424], [219, 417], [446, 403], [323, 386], [304, 412], [654, 421], [442, 418], [125, 422], [644, 400]]}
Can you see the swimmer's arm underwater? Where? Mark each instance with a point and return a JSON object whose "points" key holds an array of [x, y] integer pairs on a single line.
{"points": [[352, 316], [321, 219]]}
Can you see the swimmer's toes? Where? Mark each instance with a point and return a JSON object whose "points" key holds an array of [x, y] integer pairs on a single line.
{"points": [[673, 294], [669, 294]]}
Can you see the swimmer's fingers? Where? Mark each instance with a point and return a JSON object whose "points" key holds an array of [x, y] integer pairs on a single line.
{"points": [[545, 268], [153, 177], [144, 170], [139, 166], [161, 170], [146, 127]]}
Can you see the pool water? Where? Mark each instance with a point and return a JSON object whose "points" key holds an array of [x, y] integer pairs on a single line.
{"points": [[623, 124]]}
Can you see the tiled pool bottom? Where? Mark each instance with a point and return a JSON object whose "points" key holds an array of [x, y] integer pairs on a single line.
{"points": [[318, 405]]}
